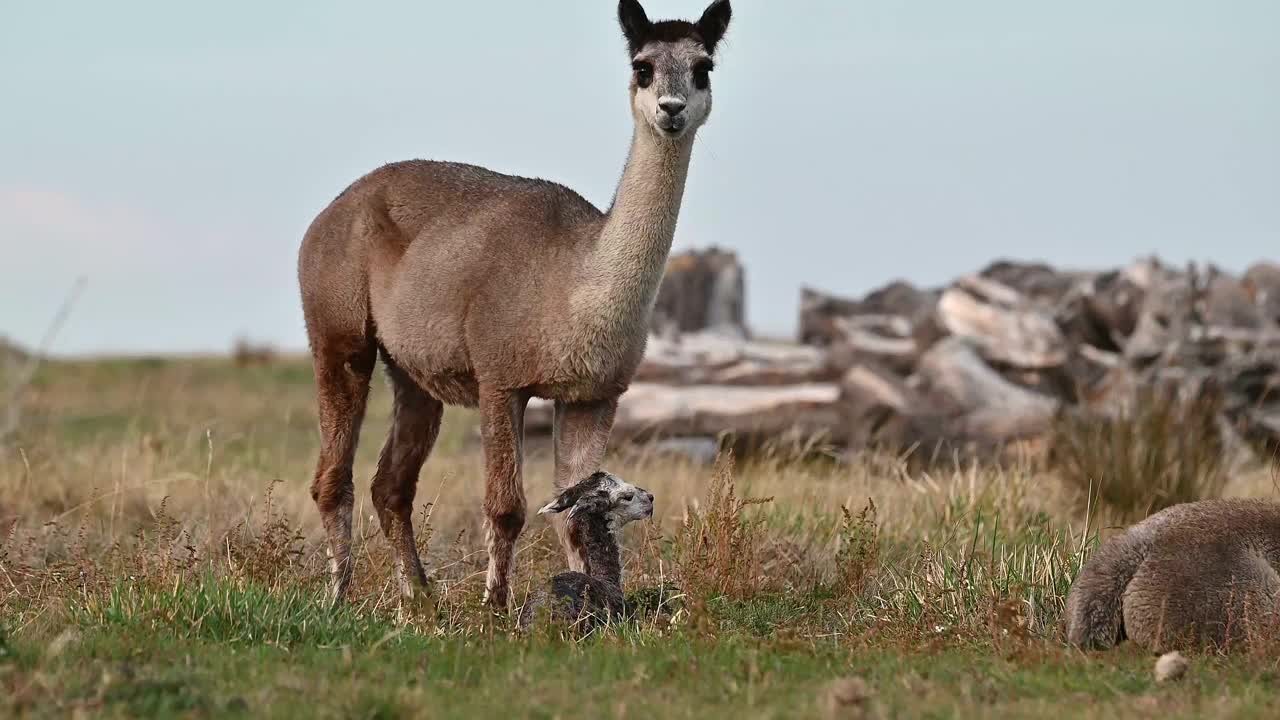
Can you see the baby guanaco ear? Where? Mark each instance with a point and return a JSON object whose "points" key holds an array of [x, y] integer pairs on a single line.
{"points": [[559, 504], [588, 493], [591, 501]]}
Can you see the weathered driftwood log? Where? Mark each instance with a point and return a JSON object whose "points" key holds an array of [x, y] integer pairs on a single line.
{"points": [[1067, 383], [1144, 271], [899, 298], [1035, 281], [884, 339], [989, 407], [823, 316], [701, 290], [715, 359], [818, 314], [879, 409], [649, 410], [1101, 311], [1168, 308], [1223, 301], [890, 326], [1104, 384], [1251, 400], [1262, 282], [999, 321], [1196, 319], [1115, 302]]}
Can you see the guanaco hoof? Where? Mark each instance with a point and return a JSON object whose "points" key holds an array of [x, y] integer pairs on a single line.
{"points": [[1193, 574]]}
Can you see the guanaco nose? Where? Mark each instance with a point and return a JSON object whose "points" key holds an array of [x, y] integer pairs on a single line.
{"points": [[672, 106]]}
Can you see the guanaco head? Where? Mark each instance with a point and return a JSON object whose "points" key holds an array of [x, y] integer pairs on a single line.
{"points": [[671, 64], [606, 496]]}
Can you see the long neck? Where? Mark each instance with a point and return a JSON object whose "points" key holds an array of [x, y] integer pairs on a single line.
{"points": [[626, 263], [598, 544]]}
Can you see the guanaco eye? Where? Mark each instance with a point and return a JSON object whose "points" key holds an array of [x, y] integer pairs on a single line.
{"points": [[702, 75], [644, 73]]}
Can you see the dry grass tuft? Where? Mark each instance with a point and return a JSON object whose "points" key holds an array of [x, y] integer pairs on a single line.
{"points": [[1163, 451]]}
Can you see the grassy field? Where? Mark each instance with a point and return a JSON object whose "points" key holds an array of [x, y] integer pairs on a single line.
{"points": [[160, 556]]}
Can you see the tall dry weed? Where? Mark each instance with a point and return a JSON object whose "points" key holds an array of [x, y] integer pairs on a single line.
{"points": [[858, 554], [716, 550], [266, 550]]}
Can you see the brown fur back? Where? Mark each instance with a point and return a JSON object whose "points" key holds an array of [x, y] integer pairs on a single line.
{"points": [[467, 275], [1194, 573]]}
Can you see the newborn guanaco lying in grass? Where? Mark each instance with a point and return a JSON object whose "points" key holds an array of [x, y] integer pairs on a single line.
{"points": [[598, 508]]}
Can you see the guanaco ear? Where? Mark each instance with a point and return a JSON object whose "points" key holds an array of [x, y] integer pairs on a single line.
{"points": [[714, 23], [559, 504], [586, 493], [575, 500], [635, 23], [570, 498]]}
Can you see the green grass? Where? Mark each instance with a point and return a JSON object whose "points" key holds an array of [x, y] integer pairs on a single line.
{"points": [[221, 611], [262, 654]]}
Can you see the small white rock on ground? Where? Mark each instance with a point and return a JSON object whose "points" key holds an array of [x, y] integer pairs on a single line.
{"points": [[1171, 666]]}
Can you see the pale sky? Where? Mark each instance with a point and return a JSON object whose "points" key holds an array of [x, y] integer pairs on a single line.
{"points": [[174, 153]]}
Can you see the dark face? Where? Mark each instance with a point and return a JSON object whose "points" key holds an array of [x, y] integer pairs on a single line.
{"points": [[671, 64]]}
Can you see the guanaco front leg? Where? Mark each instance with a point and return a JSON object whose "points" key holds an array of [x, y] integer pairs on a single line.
{"points": [[581, 436]]}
